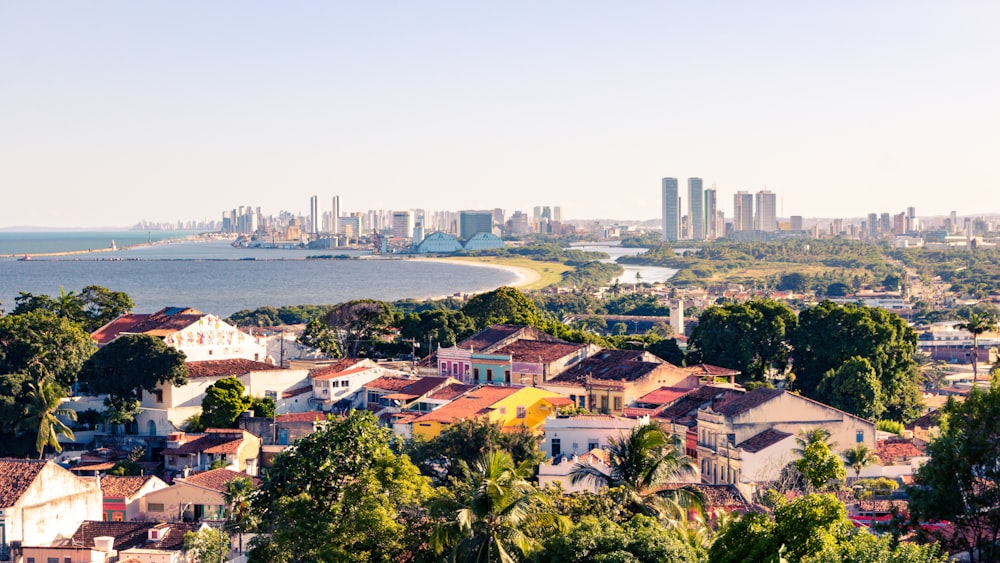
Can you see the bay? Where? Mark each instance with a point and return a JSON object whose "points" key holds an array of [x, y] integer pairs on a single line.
{"points": [[217, 278]]}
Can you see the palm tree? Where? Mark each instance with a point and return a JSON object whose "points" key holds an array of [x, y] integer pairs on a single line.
{"points": [[977, 324], [239, 518], [641, 463], [42, 415], [811, 436], [860, 457], [499, 505]]}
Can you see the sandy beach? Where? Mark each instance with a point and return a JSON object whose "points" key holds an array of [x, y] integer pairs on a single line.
{"points": [[525, 276]]}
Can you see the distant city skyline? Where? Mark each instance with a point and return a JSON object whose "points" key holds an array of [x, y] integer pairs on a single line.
{"points": [[115, 112]]}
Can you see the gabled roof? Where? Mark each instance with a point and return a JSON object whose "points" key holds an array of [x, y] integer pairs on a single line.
{"points": [[411, 387], [123, 486], [131, 535], [495, 336], [663, 395], [928, 420], [687, 407], [161, 323], [472, 404], [748, 401], [612, 366], [538, 351], [889, 450], [226, 368], [216, 479], [338, 374], [389, 383], [711, 371], [763, 440], [215, 441], [340, 365], [451, 391], [16, 475]]}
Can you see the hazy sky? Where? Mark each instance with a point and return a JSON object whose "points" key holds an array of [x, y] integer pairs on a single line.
{"points": [[111, 112]]}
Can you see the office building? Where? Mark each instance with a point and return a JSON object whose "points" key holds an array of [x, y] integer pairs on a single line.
{"points": [[766, 217], [742, 211], [796, 221], [402, 225], [557, 214], [671, 210], [471, 223], [314, 216], [696, 208], [335, 216], [711, 214]]}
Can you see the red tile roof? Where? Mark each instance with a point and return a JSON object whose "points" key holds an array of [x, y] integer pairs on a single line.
{"points": [[389, 383], [16, 475], [748, 401], [311, 416], [663, 396], [612, 366], [892, 450], [161, 323], [296, 392], [338, 374], [211, 444], [559, 401], [492, 337], [226, 368], [216, 479], [763, 440], [451, 391], [472, 404], [711, 371], [537, 351], [131, 535], [122, 486], [339, 366]]}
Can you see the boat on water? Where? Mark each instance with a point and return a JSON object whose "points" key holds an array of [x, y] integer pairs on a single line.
{"points": [[24, 258], [113, 245]]}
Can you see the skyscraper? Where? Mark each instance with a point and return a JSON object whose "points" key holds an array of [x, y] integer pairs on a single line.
{"points": [[742, 211], [711, 215], [766, 218], [335, 216], [472, 223], [671, 210], [314, 216], [696, 208]]}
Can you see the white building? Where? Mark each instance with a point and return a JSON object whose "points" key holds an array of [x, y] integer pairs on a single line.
{"points": [[579, 434]]}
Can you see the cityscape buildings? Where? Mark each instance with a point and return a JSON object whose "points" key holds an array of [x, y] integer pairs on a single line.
{"points": [[742, 211], [766, 217], [671, 210], [696, 209]]}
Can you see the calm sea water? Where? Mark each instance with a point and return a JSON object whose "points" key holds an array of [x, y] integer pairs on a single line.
{"points": [[45, 242], [216, 278]]}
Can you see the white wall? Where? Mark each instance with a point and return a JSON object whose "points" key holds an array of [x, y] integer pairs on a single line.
{"points": [[577, 432]]}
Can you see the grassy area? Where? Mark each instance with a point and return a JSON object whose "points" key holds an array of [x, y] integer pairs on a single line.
{"points": [[549, 273], [761, 271]]}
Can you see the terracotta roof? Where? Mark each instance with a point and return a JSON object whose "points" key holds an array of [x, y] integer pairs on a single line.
{"points": [[226, 368], [559, 401], [104, 466], [16, 475], [310, 416], [296, 392], [725, 497], [339, 366], [210, 444], [928, 420], [612, 366], [890, 450], [451, 391], [748, 401], [400, 396], [687, 407], [763, 440], [339, 374], [663, 396], [472, 404], [489, 336], [537, 351], [122, 486], [216, 479], [389, 383], [161, 323], [710, 370], [131, 535]]}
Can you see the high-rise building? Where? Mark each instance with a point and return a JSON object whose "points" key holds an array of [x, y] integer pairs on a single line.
{"points": [[796, 221], [766, 217], [873, 225], [402, 224], [711, 214], [472, 223], [696, 208], [314, 216], [335, 216], [671, 210], [742, 211], [557, 214]]}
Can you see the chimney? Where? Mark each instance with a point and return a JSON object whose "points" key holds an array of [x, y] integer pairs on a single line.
{"points": [[104, 543]]}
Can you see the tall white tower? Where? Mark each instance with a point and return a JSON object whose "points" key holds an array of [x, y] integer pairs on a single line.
{"points": [[671, 210]]}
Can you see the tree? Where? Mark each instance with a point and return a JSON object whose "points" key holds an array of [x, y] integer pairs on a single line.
{"points": [[820, 466], [495, 513], [53, 345], [130, 362], [641, 463], [619, 328], [751, 337], [960, 482], [838, 289], [860, 457], [504, 305], [437, 327], [828, 335], [976, 324], [43, 412], [92, 308], [853, 387], [467, 441], [320, 336], [667, 350], [263, 407], [359, 324], [223, 403], [238, 495], [344, 484], [639, 540], [793, 281], [207, 545]]}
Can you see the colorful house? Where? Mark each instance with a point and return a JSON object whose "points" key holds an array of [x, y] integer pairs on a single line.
{"points": [[508, 406], [123, 496]]}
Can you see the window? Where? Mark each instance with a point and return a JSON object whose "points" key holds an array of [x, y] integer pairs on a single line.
{"points": [[159, 395], [556, 447], [31, 560], [592, 446], [618, 403], [53, 560], [860, 436], [373, 397], [345, 383], [489, 376], [583, 401], [475, 374], [155, 507], [604, 404], [273, 395], [506, 376], [522, 412], [502, 411]]}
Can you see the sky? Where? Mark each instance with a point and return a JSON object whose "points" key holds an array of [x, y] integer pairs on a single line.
{"points": [[114, 112]]}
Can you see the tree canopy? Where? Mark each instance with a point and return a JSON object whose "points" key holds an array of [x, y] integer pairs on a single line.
{"points": [[751, 337], [92, 308], [502, 305], [223, 403], [43, 344], [359, 324]]}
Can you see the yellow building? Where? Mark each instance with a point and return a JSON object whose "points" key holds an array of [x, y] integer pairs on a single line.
{"points": [[508, 406]]}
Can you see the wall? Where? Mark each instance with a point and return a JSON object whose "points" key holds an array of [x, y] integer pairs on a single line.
{"points": [[176, 497], [212, 339], [576, 433], [55, 505]]}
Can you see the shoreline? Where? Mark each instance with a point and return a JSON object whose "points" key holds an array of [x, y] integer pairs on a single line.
{"points": [[29, 255], [525, 276]]}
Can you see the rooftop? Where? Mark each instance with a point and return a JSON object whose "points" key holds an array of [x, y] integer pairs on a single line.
{"points": [[748, 401], [472, 404], [340, 365], [161, 323], [130, 535], [216, 479], [226, 368], [122, 486], [763, 440], [538, 351], [16, 475]]}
